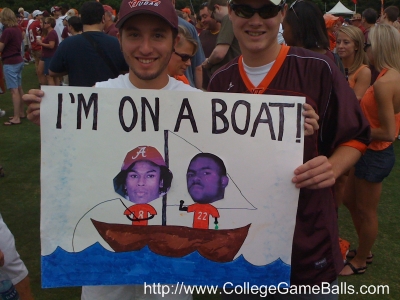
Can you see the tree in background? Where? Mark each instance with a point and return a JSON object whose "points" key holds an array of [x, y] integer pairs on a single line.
{"points": [[361, 4], [31, 5]]}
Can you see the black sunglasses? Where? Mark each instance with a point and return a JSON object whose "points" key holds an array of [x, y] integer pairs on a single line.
{"points": [[184, 57], [265, 12], [366, 45]]}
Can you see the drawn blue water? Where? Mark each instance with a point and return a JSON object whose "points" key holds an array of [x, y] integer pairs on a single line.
{"points": [[98, 266]]}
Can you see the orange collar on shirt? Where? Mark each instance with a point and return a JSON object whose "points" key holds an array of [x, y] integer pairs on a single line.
{"points": [[261, 88]]}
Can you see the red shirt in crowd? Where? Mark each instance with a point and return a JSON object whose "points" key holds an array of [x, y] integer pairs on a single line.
{"points": [[34, 30]]}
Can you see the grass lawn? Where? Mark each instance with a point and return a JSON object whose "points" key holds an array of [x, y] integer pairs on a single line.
{"points": [[20, 208]]}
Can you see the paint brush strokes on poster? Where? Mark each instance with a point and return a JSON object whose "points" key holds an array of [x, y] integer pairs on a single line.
{"points": [[86, 134]]}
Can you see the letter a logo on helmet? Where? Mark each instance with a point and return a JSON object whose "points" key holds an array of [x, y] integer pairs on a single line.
{"points": [[142, 151]]}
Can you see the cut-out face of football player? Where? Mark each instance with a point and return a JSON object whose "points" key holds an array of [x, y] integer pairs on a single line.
{"points": [[206, 178], [144, 176]]}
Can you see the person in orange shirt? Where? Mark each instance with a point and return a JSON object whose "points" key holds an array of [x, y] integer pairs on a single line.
{"points": [[185, 49], [206, 180], [332, 24], [144, 177], [381, 106]]}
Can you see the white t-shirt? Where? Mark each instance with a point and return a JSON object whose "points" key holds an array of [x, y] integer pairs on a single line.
{"points": [[59, 29], [132, 292], [257, 74], [123, 82], [14, 267]]}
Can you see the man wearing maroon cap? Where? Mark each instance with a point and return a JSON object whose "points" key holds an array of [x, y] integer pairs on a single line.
{"points": [[56, 12], [147, 34], [109, 25]]}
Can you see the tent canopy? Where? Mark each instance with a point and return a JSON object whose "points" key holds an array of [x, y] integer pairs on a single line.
{"points": [[339, 8]]}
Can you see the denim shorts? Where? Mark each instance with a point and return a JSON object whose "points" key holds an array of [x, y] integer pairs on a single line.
{"points": [[47, 61], [374, 166], [13, 75]]}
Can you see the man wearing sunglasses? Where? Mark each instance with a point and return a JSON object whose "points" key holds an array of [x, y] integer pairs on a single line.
{"points": [[227, 46], [265, 67]]}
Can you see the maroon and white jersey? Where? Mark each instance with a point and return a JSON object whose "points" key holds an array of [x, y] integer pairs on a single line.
{"points": [[316, 254], [34, 30]]}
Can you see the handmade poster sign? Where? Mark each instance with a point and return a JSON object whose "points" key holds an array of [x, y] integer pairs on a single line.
{"points": [[165, 187]]}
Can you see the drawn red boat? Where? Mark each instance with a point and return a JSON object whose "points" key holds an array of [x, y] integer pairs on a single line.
{"points": [[174, 241]]}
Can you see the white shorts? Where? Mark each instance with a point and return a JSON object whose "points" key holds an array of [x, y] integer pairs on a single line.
{"points": [[125, 292], [13, 265]]}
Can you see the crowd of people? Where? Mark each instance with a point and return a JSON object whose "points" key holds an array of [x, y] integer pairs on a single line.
{"points": [[347, 69]]}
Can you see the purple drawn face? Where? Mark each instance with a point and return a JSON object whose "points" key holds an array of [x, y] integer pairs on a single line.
{"points": [[205, 183]]}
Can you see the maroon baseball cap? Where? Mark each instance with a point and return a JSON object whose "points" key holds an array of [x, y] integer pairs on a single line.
{"points": [[108, 8], [55, 8], [160, 8]]}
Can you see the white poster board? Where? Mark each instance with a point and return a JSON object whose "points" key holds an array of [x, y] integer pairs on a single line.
{"points": [[87, 239]]}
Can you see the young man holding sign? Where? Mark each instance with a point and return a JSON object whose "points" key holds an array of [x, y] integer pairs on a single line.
{"points": [[266, 67], [147, 35]]}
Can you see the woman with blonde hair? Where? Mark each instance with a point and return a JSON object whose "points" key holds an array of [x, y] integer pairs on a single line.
{"points": [[381, 106], [185, 49], [13, 63], [349, 46]]}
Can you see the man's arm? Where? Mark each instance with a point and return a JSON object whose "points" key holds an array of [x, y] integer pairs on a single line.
{"points": [[181, 207], [216, 56], [321, 172], [199, 77]]}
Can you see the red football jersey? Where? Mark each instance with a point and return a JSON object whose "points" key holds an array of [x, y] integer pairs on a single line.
{"points": [[140, 211], [202, 213]]}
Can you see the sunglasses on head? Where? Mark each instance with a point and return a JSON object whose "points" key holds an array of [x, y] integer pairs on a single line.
{"points": [[265, 12], [292, 7], [184, 57]]}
